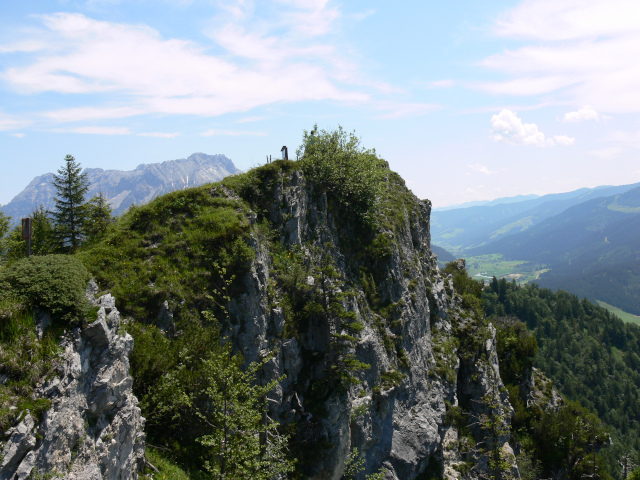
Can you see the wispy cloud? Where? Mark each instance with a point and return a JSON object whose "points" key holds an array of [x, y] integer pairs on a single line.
{"points": [[8, 122], [147, 73], [92, 113], [159, 134], [507, 127], [441, 84], [17, 135], [234, 133], [95, 130], [583, 52], [476, 167]]}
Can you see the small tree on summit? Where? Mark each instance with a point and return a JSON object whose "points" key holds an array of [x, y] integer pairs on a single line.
{"points": [[70, 212]]}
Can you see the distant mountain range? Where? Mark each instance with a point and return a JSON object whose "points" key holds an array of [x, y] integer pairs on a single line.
{"points": [[463, 228], [481, 203], [588, 240], [124, 188]]}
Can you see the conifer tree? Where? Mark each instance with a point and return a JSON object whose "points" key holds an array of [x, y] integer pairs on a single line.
{"points": [[98, 216], [70, 212]]}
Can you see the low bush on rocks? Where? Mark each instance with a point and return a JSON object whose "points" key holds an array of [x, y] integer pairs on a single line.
{"points": [[55, 284]]}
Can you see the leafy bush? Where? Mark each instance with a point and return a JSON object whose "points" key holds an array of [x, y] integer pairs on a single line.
{"points": [[54, 283], [349, 174]]}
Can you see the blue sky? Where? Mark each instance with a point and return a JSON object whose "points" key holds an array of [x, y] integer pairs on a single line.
{"points": [[467, 100]]}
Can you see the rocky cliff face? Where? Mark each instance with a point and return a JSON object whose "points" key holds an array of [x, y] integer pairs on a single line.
{"points": [[379, 354], [391, 324], [94, 429]]}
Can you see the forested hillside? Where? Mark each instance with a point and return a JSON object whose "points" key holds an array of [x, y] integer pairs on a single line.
{"points": [[590, 354]]}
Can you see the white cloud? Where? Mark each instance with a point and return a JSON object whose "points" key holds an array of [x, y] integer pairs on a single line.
{"points": [[23, 46], [507, 127], [441, 84], [8, 122], [159, 134], [564, 140], [481, 169], [234, 133], [17, 135], [92, 113], [569, 19], [582, 53], [144, 73], [95, 130], [585, 113]]}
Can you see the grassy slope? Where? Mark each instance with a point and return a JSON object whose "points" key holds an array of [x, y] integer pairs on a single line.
{"points": [[621, 314]]}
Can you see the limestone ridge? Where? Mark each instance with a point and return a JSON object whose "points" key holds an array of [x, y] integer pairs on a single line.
{"points": [[123, 188], [397, 415], [94, 429]]}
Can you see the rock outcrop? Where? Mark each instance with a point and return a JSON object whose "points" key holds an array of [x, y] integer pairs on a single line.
{"points": [[395, 412], [94, 429]]}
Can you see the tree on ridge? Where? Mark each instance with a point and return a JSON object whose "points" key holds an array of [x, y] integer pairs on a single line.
{"points": [[69, 215]]}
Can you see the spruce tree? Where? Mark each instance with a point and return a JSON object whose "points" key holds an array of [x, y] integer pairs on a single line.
{"points": [[69, 215], [99, 215]]}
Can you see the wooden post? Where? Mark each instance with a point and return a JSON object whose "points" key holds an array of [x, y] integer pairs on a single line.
{"points": [[27, 232]]}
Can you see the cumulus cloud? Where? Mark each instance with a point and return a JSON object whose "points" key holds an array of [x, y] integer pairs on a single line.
{"points": [[564, 140], [585, 113], [580, 51], [507, 127]]}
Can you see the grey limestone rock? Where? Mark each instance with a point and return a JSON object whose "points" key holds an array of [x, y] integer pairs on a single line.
{"points": [[94, 429], [396, 425]]}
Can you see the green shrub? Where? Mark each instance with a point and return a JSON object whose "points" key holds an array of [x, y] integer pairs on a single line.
{"points": [[349, 174], [54, 283], [24, 361]]}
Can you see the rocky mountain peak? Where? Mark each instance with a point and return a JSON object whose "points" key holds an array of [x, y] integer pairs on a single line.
{"points": [[124, 188]]}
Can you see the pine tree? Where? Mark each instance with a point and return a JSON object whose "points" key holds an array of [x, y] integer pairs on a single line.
{"points": [[70, 212]]}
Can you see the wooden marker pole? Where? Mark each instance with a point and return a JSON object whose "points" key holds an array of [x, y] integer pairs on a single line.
{"points": [[27, 233]]}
